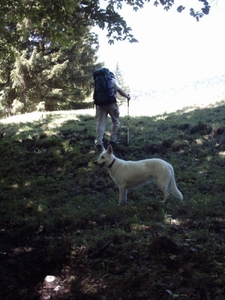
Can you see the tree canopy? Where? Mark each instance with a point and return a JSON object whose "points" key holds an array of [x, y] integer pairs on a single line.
{"points": [[47, 56], [66, 20]]}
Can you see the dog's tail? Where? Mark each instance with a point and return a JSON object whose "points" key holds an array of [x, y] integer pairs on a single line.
{"points": [[174, 190]]}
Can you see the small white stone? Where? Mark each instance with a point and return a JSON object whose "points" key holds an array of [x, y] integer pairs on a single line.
{"points": [[50, 278]]}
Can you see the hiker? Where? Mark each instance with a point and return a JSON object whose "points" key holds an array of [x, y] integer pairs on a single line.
{"points": [[107, 105]]}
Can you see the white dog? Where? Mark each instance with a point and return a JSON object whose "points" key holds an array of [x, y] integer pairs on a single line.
{"points": [[131, 174]]}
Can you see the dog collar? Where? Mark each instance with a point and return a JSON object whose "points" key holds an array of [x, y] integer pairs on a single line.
{"points": [[111, 164]]}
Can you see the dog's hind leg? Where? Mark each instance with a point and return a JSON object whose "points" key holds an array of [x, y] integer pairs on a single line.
{"points": [[123, 195], [163, 186], [166, 196]]}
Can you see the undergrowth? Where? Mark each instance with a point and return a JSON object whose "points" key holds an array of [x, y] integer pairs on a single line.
{"points": [[59, 213]]}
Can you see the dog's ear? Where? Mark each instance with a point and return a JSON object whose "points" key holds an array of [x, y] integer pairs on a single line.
{"points": [[109, 149]]}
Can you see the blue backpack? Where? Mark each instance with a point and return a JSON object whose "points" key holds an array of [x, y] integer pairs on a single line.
{"points": [[104, 90]]}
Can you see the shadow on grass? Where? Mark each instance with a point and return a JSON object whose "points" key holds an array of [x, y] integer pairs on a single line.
{"points": [[58, 210]]}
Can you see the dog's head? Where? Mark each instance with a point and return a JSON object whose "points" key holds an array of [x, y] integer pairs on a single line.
{"points": [[105, 158]]}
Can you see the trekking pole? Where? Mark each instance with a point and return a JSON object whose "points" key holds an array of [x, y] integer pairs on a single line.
{"points": [[128, 124]]}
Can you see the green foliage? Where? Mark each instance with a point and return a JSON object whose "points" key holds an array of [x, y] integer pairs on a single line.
{"points": [[50, 79], [47, 58], [59, 211], [205, 9], [66, 21]]}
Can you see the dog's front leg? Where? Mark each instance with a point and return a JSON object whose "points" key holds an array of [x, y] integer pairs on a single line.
{"points": [[123, 195]]}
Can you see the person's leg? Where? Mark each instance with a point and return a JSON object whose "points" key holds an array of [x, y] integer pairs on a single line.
{"points": [[101, 116], [114, 113]]}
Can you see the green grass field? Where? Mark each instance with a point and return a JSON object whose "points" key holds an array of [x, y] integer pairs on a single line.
{"points": [[59, 213]]}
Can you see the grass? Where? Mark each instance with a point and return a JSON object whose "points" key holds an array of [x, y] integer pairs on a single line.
{"points": [[59, 213]]}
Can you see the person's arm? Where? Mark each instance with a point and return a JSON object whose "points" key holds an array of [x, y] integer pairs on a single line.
{"points": [[118, 89], [122, 93]]}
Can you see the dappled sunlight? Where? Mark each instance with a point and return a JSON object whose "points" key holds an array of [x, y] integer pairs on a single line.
{"points": [[199, 141], [15, 186], [222, 154], [161, 118], [24, 118], [137, 108], [140, 227], [59, 116], [171, 221], [19, 250], [26, 128], [91, 284], [62, 117], [41, 208]]}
